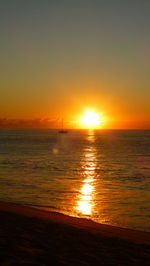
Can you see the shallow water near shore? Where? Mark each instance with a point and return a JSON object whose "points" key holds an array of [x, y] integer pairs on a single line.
{"points": [[101, 175]]}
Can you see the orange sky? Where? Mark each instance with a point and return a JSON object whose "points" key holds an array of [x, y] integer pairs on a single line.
{"points": [[58, 60]]}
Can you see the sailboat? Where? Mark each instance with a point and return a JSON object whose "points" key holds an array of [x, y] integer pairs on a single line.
{"points": [[62, 130]]}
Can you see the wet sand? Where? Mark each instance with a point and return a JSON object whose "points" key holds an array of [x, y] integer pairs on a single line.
{"points": [[33, 237]]}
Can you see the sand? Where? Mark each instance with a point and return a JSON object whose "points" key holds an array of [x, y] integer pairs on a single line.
{"points": [[33, 237]]}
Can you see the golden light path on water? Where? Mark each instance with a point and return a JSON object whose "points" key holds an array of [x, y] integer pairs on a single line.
{"points": [[86, 194]]}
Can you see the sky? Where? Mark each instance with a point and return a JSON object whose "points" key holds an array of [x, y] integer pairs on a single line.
{"points": [[59, 58]]}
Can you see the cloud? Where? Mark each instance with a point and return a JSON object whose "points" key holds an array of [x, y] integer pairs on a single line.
{"points": [[29, 123]]}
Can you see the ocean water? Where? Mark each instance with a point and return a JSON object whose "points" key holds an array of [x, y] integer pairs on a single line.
{"points": [[101, 175]]}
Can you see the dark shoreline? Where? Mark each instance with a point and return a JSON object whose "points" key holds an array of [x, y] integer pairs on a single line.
{"points": [[30, 236]]}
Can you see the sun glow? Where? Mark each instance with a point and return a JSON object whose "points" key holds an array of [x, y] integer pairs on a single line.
{"points": [[91, 119]]}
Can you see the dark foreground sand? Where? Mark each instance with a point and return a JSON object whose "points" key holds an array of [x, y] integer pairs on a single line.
{"points": [[33, 237]]}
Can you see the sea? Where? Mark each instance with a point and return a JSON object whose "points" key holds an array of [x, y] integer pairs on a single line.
{"points": [[99, 175]]}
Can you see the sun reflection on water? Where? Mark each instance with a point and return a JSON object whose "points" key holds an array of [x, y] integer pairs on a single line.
{"points": [[85, 202]]}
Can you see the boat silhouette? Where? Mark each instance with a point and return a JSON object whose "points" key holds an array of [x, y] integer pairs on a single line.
{"points": [[62, 130]]}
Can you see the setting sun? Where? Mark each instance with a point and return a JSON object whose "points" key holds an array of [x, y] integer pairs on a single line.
{"points": [[91, 119]]}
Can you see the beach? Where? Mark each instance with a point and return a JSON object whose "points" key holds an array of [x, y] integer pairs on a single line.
{"points": [[29, 236]]}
